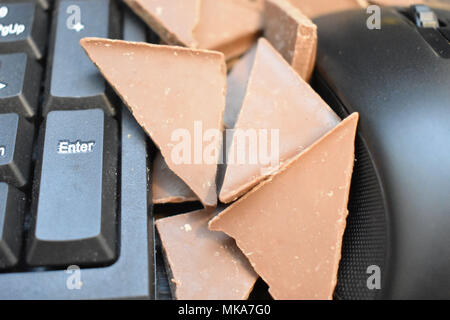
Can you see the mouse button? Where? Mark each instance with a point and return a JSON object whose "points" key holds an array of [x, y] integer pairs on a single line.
{"points": [[424, 17], [432, 26]]}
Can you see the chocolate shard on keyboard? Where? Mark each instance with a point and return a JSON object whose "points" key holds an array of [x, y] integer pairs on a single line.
{"points": [[237, 81], [176, 94], [167, 187], [316, 8], [203, 264], [291, 226], [173, 20], [280, 117], [228, 26], [293, 34]]}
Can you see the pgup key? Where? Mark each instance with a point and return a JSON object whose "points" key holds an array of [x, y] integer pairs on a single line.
{"points": [[23, 28], [74, 212]]}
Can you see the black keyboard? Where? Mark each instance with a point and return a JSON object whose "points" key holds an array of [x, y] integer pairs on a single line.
{"points": [[75, 219]]}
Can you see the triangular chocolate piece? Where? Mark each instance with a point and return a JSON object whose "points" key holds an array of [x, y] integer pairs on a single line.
{"points": [[293, 34], [278, 102], [228, 26], [166, 186], [203, 264], [176, 94], [291, 226], [173, 20]]}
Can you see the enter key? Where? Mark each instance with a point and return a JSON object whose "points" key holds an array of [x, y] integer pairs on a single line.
{"points": [[74, 216]]}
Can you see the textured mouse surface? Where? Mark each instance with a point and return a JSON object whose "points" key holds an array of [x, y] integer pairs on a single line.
{"points": [[365, 238]]}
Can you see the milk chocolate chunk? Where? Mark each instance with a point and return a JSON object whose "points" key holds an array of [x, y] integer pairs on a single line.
{"points": [[166, 186], [237, 81], [173, 20], [316, 8], [293, 34], [227, 26], [280, 117], [203, 264], [176, 94], [291, 226]]}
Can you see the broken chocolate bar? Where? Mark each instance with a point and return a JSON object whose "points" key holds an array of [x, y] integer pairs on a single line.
{"points": [[203, 264], [173, 92], [293, 34], [291, 226], [280, 111], [166, 186], [227, 26], [173, 20]]}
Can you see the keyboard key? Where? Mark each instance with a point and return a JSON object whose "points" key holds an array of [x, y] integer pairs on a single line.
{"points": [[74, 218], [20, 79], [75, 83], [23, 28], [11, 224], [45, 4], [16, 140]]}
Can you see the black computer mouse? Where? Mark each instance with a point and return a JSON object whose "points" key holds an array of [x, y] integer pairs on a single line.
{"points": [[398, 79]]}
